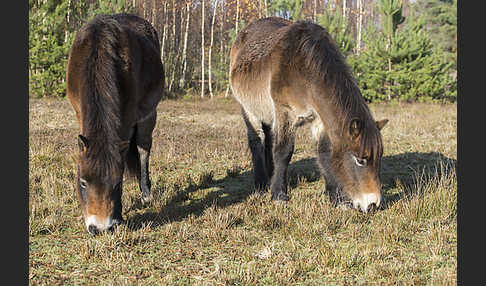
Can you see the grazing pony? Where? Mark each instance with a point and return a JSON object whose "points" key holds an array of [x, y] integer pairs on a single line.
{"points": [[286, 74], [115, 79]]}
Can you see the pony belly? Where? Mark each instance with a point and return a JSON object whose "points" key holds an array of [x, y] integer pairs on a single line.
{"points": [[262, 110], [257, 103]]}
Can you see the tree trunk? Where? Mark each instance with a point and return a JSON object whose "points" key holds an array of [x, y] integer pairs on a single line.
{"points": [[174, 11], [360, 26], [164, 31], [237, 15], [174, 54], [260, 9], [181, 35], [389, 84], [344, 9], [372, 12], [202, 50], [211, 47], [144, 10], [152, 20], [221, 49], [184, 50], [388, 46], [164, 36], [66, 33], [344, 16]]}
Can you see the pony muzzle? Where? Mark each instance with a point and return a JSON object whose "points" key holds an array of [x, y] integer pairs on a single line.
{"points": [[96, 224], [367, 202]]}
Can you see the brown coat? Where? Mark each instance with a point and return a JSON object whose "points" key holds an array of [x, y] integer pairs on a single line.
{"points": [[287, 74], [115, 79]]}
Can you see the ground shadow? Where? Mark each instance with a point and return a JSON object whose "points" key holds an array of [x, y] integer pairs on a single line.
{"points": [[402, 171], [232, 189], [396, 171]]}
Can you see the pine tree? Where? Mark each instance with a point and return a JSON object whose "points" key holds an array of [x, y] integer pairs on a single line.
{"points": [[391, 16], [441, 24], [49, 44], [337, 26], [52, 27], [289, 9], [402, 65]]}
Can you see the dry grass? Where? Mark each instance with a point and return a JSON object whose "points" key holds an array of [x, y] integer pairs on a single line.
{"points": [[205, 227]]}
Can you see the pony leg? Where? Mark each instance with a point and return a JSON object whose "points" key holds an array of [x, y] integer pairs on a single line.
{"points": [[256, 139], [144, 144], [117, 214], [268, 150], [324, 162], [283, 148]]}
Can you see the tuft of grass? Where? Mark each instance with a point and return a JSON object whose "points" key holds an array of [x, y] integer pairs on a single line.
{"points": [[206, 226]]}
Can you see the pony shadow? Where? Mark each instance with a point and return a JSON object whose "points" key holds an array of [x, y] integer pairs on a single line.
{"points": [[236, 187], [403, 170], [397, 171]]}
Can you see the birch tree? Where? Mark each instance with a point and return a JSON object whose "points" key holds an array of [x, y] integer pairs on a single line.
{"points": [[164, 31], [360, 26], [174, 50], [184, 50], [215, 8], [237, 20], [202, 49], [154, 13]]}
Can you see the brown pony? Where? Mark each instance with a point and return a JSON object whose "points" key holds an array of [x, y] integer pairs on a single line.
{"points": [[287, 74], [115, 79]]}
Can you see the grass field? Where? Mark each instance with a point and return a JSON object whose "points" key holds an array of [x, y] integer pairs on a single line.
{"points": [[205, 227]]}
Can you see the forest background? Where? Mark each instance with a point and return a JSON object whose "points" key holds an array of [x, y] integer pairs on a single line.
{"points": [[399, 50], [205, 224]]}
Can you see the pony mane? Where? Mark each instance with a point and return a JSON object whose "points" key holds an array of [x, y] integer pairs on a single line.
{"points": [[101, 103], [324, 62]]}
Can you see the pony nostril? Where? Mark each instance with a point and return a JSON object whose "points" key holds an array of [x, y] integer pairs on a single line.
{"points": [[372, 207], [93, 229]]}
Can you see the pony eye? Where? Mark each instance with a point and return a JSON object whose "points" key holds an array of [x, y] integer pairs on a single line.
{"points": [[83, 183], [360, 161]]}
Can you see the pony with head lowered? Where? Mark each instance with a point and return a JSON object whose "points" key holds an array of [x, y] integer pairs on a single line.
{"points": [[114, 80], [287, 74]]}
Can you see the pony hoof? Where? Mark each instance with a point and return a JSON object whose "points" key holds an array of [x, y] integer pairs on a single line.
{"points": [[344, 207], [280, 197], [146, 198], [260, 192]]}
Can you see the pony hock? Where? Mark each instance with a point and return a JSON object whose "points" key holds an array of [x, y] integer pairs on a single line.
{"points": [[288, 74], [114, 80]]}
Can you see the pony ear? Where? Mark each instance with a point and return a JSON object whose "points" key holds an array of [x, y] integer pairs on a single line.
{"points": [[380, 124], [123, 145], [82, 143], [355, 128]]}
